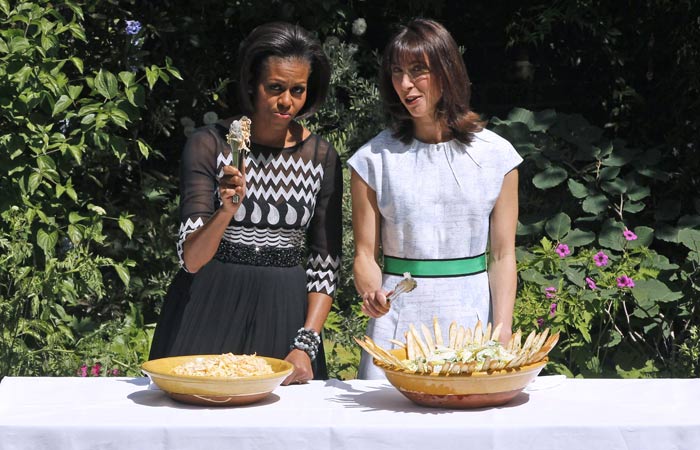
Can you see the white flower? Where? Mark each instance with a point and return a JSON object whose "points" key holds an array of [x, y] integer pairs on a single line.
{"points": [[359, 26], [186, 122], [210, 117]]}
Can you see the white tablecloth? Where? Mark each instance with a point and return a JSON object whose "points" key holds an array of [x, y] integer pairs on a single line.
{"points": [[571, 414]]}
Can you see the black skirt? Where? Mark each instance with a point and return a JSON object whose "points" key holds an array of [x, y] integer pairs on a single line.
{"points": [[234, 308]]}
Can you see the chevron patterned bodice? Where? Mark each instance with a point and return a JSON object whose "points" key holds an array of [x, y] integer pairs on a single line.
{"points": [[290, 201]]}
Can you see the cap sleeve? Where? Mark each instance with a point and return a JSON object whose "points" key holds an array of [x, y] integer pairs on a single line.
{"points": [[367, 164]]}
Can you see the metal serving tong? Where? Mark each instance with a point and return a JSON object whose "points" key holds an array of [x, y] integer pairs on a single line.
{"points": [[406, 285]]}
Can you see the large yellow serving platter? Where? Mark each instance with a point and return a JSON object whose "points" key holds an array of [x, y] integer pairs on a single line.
{"points": [[214, 391], [460, 391]]}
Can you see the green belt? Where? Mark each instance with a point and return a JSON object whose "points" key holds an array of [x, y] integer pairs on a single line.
{"points": [[435, 267]]}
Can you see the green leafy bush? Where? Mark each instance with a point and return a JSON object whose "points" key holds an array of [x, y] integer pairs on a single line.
{"points": [[70, 153], [584, 192]]}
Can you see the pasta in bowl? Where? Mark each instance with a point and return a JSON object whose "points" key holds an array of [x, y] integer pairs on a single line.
{"points": [[217, 380]]}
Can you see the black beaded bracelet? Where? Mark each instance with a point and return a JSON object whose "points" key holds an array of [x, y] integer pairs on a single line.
{"points": [[308, 341]]}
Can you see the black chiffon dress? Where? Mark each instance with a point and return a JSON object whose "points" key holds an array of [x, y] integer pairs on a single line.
{"points": [[283, 243]]}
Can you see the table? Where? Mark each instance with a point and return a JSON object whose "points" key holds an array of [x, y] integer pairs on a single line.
{"points": [[553, 413]]}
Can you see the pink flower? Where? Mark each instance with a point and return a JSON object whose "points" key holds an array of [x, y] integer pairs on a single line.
{"points": [[540, 322], [115, 372], [601, 259], [625, 281], [550, 292], [552, 309], [82, 371], [95, 371], [629, 235], [591, 284], [563, 250]]}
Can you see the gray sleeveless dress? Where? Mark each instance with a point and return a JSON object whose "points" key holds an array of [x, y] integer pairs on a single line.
{"points": [[435, 201]]}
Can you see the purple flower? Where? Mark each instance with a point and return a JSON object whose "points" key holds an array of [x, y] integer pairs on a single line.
{"points": [[563, 250], [625, 281], [552, 309], [601, 259], [540, 322], [82, 371], [115, 372], [591, 284], [550, 292], [95, 371], [629, 235], [133, 27]]}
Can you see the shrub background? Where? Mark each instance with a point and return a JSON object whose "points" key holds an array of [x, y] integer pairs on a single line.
{"points": [[97, 98]]}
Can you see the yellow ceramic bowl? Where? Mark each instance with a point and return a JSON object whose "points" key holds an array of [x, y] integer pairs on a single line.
{"points": [[214, 391], [475, 390]]}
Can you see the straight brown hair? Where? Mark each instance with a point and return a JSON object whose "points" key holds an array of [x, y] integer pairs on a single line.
{"points": [[421, 39]]}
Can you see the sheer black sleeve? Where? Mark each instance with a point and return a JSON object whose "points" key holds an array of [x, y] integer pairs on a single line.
{"points": [[198, 184], [325, 229]]}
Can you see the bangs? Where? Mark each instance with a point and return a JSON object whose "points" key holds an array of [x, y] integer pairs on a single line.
{"points": [[408, 49]]}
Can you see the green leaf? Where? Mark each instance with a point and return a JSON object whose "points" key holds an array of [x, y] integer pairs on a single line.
{"points": [[611, 236], [174, 72], [18, 44], [74, 92], [143, 148], [578, 190], [75, 234], [595, 204], [76, 152], [45, 163], [126, 225], [119, 117], [98, 209], [152, 76], [614, 187], [558, 226], [609, 173], [550, 177], [690, 238], [645, 236], [636, 192], [106, 84], [5, 6], [128, 78], [47, 241], [34, 181], [78, 63], [632, 207], [579, 238], [123, 273], [652, 291], [61, 104], [74, 217]]}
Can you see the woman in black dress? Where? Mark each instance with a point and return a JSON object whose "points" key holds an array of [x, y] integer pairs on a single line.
{"points": [[258, 276]]}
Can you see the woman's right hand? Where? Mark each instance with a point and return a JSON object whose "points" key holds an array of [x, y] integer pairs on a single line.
{"points": [[374, 303], [232, 183]]}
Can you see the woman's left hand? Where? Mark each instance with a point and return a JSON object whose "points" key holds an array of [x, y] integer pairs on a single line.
{"points": [[302, 372]]}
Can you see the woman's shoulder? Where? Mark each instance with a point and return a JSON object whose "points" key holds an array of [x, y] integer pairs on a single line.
{"points": [[384, 141], [488, 139], [206, 138]]}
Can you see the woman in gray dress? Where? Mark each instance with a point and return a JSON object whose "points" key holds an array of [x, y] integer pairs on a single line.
{"points": [[437, 193]]}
